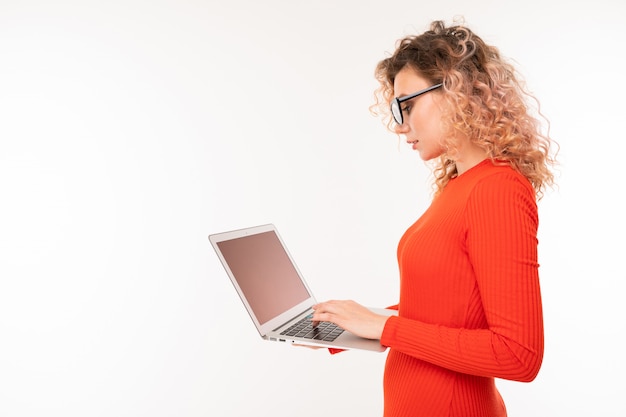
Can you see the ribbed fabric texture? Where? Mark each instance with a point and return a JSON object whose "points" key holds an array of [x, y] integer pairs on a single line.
{"points": [[470, 304]]}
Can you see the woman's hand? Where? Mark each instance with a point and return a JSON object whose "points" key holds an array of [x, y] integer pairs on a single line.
{"points": [[352, 317]]}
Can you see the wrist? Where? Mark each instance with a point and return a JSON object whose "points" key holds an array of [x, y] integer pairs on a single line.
{"points": [[381, 326]]}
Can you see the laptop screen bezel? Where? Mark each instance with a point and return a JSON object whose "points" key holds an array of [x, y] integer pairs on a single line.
{"points": [[282, 318]]}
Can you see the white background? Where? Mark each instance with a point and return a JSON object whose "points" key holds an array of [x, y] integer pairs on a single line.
{"points": [[131, 130]]}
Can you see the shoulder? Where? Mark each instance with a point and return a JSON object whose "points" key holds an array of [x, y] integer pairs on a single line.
{"points": [[500, 189], [486, 183], [500, 178]]}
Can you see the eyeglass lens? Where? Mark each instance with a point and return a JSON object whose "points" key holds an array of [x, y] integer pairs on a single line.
{"points": [[396, 110]]}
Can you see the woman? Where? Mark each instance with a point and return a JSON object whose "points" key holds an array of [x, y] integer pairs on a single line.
{"points": [[470, 306]]}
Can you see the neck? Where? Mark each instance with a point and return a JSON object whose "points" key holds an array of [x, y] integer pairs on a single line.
{"points": [[463, 166], [469, 157], [466, 154]]}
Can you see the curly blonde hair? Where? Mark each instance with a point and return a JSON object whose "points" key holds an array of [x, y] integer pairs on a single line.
{"points": [[485, 101]]}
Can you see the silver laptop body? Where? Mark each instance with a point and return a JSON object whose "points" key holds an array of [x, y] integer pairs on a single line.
{"points": [[272, 288]]}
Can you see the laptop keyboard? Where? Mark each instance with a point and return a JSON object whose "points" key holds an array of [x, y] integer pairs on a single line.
{"points": [[324, 330]]}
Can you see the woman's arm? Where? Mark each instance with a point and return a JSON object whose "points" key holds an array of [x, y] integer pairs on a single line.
{"points": [[502, 246]]}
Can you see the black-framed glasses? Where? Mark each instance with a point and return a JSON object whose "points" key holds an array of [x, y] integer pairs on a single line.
{"points": [[396, 110]]}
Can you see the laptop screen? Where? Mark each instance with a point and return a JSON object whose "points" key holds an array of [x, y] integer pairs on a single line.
{"points": [[264, 272]]}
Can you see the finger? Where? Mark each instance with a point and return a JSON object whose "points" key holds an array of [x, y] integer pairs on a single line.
{"points": [[317, 318], [325, 307]]}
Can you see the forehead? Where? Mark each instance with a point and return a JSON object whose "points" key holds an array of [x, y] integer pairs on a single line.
{"points": [[408, 81]]}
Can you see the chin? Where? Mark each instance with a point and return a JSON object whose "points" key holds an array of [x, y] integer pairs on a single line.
{"points": [[426, 157], [430, 156]]}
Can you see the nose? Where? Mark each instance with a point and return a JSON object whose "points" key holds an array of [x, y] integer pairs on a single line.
{"points": [[401, 129]]}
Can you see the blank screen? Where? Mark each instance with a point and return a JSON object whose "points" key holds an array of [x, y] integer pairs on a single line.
{"points": [[265, 274]]}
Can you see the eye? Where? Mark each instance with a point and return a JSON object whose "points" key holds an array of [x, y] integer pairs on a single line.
{"points": [[407, 109]]}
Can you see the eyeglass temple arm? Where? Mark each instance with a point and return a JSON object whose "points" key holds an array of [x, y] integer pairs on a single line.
{"points": [[419, 93]]}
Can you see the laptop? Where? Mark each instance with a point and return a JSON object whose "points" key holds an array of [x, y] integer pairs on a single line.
{"points": [[274, 292]]}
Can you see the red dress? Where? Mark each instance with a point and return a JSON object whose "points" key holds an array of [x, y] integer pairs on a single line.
{"points": [[470, 304]]}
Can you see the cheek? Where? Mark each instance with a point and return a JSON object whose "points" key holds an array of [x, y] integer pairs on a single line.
{"points": [[427, 116], [428, 124]]}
